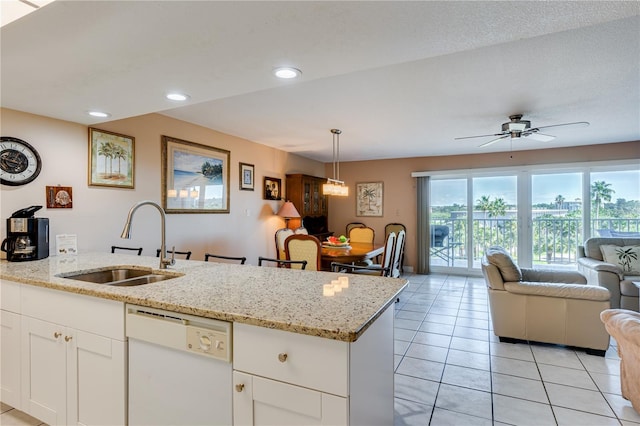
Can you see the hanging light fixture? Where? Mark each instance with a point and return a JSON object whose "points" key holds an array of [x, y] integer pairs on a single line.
{"points": [[335, 186]]}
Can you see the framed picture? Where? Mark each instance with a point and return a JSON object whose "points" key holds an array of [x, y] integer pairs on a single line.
{"points": [[369, 199], [247, 173], [272, 188], [195, 177], [59, 197], [111, 159]]}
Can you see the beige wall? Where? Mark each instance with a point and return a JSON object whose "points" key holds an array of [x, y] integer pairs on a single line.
{"points": [[99, 213], [400, 188]]}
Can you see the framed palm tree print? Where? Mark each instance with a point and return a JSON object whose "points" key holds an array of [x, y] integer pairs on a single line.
{"points": [[111, 159], [369, 199]]}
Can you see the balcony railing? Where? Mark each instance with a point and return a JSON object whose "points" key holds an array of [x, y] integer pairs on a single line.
{"points": [[555, 240]]}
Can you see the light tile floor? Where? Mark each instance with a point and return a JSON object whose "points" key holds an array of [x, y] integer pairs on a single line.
{"points": [[452, 370]]}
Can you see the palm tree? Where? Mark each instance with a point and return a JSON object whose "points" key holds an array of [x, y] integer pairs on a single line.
{"points": [[120, 154], [106, 150], [483, 204], [497, 207], [559, 201], [369, 193], [600, 192]]}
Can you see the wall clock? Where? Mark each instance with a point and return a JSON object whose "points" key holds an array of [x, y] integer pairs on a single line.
{"points": [[20, 163]]}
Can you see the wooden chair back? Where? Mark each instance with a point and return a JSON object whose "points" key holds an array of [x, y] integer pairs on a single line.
{"points": [[231, 259], [282, 263], [304, 247], [281, 236], [362, 235], [138, 249]]}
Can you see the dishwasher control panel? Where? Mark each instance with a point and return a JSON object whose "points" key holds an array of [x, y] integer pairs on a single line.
{"points": [[208, 342]]}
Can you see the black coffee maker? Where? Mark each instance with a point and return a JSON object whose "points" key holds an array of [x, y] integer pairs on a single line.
{"points": [[27, 236]]}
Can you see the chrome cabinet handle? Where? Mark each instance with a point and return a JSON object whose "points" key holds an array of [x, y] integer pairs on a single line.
{"points": [[239, 387], [282, 357]]}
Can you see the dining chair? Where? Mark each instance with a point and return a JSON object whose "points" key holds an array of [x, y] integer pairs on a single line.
{"points": [[186, 254], [397, 254], [281, 235], [301, 231], [304, 247], [363, 234], [396, 227], [282, 263], [352, 225], [207, 256], [383, 269], [138, 249]]}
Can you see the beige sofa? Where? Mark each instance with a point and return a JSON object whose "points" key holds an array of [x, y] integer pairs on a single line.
{"points": [[545, 306], [624, 326], [591, 264]]}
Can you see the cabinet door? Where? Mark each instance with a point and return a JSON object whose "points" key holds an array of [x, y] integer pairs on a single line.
{"points": [[44, 370], [10, 359], [96, 379], [259, 401]]}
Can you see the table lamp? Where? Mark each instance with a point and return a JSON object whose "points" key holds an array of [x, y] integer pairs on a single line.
{"points": [[288, 211]]}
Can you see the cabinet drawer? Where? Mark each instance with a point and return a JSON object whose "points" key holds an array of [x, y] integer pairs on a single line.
{"points": [[10, 296], [91, 314], [299, 359]]}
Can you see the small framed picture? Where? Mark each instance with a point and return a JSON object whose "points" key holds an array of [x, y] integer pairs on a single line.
{"points": [[247, 173], [369, 199], [111, 159], [272, 188], [59, 197]]}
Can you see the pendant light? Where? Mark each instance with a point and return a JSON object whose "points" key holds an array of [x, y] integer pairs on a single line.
{"points": [[335, 186]]}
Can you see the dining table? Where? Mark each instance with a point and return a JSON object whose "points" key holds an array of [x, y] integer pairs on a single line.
{"points": [[353, 252]]}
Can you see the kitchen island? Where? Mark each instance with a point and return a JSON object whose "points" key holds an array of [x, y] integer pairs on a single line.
{"points": [[267, 306]]}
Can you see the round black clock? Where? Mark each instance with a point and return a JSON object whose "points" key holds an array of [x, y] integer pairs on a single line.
{"points": [[20, 163]]}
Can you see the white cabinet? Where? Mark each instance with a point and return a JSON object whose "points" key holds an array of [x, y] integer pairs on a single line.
{"points": [[71, 376], [10, 343], [67, 357], [10, 358], [289, 379]]}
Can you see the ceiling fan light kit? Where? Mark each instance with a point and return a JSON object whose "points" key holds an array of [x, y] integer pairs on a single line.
{"points": [[518, 128]]}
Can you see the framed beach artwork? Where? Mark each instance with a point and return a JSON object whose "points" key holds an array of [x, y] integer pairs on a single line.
{"points": [[111, 159], [247, 177], [195, 177], [369, 199]]}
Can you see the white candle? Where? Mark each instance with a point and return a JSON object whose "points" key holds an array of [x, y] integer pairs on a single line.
{"points": [[327, 290], [344, 282], [336, 286]]}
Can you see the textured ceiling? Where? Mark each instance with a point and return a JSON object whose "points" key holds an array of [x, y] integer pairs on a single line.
{"points": [[400, 79]]}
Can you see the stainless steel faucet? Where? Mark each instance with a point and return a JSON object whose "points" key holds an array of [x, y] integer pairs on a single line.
{"points": [[126, 232]]}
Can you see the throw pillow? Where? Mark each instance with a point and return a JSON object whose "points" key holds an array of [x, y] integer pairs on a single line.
{"points": [[499, 257], [626, 257]]}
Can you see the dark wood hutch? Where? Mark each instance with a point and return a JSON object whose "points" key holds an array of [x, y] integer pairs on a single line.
{"points": [[305, 192]]}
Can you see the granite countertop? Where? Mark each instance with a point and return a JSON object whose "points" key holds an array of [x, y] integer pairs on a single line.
{"points": [[283, 299]]}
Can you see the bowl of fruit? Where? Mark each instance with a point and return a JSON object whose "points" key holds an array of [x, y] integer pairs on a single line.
{"points": [[340, 241]]}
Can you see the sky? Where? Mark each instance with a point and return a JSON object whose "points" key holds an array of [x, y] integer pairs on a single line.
{"points": [[545, 187]]}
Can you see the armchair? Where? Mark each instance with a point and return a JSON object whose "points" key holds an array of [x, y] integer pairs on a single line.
{"points": [[544, 305], [612, 276]]}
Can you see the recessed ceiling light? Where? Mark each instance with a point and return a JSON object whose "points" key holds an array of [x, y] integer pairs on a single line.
{"points": [[177, 96], [99, 114], [287, 72]]}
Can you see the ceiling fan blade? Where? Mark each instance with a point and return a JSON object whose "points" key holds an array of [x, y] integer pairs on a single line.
{"points": [[577, 124], [479, 136], [493, 141], [541, 137]]}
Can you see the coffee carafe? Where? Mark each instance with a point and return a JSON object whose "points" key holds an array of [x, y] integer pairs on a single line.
{"points": [[27, 236]]}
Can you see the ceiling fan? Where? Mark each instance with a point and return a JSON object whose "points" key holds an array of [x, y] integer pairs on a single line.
{"points": [[518, 128]]}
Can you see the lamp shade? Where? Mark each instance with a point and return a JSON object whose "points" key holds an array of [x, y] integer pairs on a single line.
{"points": [[288, 210]]}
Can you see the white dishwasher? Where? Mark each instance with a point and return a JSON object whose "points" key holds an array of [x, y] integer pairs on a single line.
{"points": [[180, 370]]}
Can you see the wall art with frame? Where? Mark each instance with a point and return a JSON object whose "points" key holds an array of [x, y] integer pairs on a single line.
{"points": [[247, 176], [111, 159], [272, 188], [369, 199], [195, 177]]}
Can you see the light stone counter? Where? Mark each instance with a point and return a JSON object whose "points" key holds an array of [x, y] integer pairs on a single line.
{"points": [[283, 299]]}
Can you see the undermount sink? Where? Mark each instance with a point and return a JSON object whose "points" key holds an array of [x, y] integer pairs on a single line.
{"points": [[120, 276]]}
